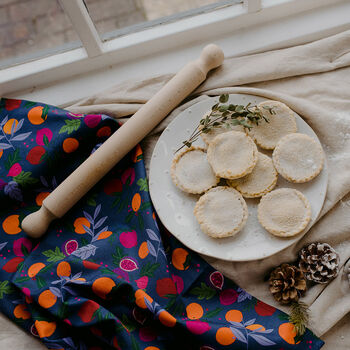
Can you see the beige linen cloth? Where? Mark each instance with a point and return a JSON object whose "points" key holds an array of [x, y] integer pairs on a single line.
{"points": [[313, 80]]}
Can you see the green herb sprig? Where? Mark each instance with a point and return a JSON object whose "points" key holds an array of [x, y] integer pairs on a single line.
{"points": [[227, 115], [299, 317]]}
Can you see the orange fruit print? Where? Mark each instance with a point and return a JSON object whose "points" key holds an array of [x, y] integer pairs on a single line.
{"points": [[44, 328], [167, 319], [78, 225], [136, 202], [287, 332], [21, 311], [179, 259], [194, 311], [254, 327], [234, 316], [143, 250], [9, 125], [224, 336], [140, 296], [137, 154], [11, 225], [103, 286], [40, 197], [35, 268], [63, 269], [104, 235], [35, 115], [70, 145], [47, 299]]}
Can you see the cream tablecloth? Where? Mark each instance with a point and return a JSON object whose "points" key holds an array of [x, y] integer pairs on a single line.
{"points": [[313, 80]]}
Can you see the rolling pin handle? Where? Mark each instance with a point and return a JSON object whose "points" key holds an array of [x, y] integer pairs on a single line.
{"points": [[211, 57], [36, 224]]}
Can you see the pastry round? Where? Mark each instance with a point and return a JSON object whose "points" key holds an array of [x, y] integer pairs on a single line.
{"points": [[261, 180], [232, 155], [221, 212], [298, 157], [191, 172], [284, 212], [281, 123]]}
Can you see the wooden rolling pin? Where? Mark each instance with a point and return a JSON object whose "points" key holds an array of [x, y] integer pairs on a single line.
{"points": [[76, 185]]}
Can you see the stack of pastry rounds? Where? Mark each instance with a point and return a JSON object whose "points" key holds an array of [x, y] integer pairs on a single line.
{"points": [[233, 155]]}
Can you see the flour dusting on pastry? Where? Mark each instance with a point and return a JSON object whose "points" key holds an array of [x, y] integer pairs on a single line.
{"points": [[284, 212], [221, 212], [191, 172], [232, 155], [298, 157], [281, 121]]}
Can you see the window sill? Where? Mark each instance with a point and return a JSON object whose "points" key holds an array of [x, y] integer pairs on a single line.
{"points": [[165, 49]]}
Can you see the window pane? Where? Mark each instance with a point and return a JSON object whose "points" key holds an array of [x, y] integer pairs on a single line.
{"points": [[33, 28], [160, 8], [113, 15]]}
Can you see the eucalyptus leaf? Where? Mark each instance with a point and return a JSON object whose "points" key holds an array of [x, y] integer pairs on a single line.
{"points": [[227, 116], [223, 108], [213, 108], [223, 98]]}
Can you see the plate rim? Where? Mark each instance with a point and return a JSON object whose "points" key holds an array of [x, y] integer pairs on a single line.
{"points": [[208, 254]]}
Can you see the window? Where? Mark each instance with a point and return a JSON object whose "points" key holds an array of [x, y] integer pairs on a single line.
{"points": [[32, 28], [113, 18], [144, 39]]}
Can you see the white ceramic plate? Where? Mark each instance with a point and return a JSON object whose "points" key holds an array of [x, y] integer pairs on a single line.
{"points": [[175, 208]]}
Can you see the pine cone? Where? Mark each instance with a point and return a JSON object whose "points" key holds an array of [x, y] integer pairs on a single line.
{"points": [[287, 283], [319, 262]]}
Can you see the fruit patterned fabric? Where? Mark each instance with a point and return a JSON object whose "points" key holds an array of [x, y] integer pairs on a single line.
{"points": [[105, 275]]}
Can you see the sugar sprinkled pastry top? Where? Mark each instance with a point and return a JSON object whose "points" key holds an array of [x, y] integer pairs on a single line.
{"points": [[284, 212], [191, 172], [298, 157], [232, 155], [280, 122], [261, 180], [221, 212]]}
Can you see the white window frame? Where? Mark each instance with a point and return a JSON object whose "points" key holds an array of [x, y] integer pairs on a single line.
{"points": [[253, 26]]}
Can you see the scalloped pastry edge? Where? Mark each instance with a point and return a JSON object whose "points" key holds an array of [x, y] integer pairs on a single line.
{"points": [[300, 228], [175, 178], [209, 229]]}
